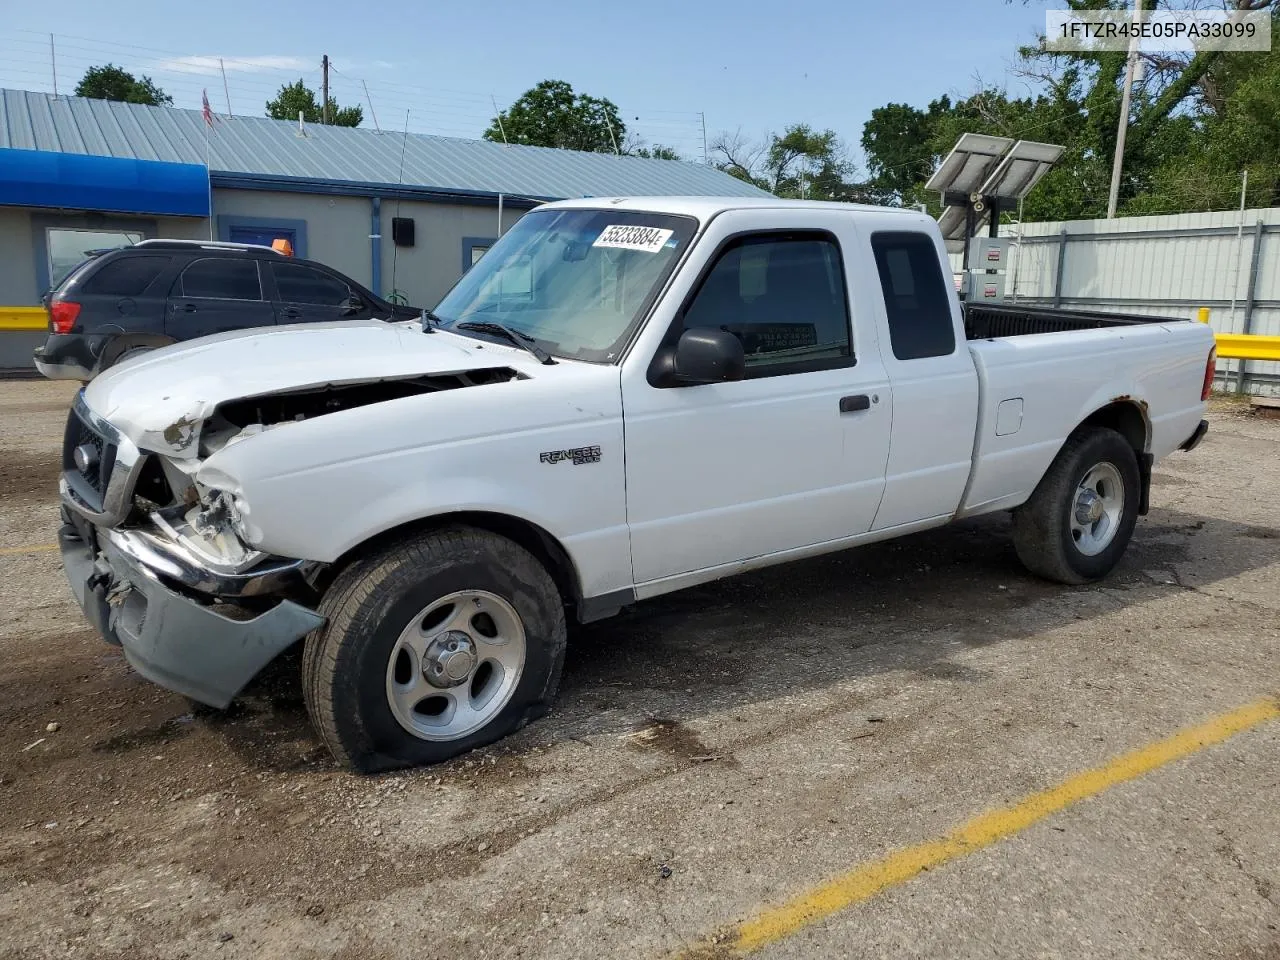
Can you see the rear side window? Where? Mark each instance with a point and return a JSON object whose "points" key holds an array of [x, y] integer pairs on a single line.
{"points": [[297, 283], [915, 296], [224, 279], [129, 276]]}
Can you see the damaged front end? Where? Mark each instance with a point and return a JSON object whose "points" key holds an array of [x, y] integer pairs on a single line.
{"points": [[160, 546], [164, 576], [205, 428]]}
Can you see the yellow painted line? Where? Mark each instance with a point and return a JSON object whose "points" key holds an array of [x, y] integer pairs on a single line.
{"points": [[777, 923], [29, 548], [23, 318]]}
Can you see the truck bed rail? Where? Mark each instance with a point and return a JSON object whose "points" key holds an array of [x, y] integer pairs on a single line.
{"points": [[983, 321]]}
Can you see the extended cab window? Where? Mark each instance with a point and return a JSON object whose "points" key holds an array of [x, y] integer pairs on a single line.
{"points": [[128, 276], [223, 279], [916, 297], [297, 283], [784, 297]]}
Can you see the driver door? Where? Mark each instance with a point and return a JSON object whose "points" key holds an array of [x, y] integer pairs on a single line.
{"points": [[792, 456]]}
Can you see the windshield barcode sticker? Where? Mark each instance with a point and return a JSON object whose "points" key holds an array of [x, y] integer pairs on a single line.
{"points": [[627, 237]]}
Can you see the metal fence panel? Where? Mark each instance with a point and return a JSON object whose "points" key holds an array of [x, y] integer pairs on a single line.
{"points": [[1166, 266]]}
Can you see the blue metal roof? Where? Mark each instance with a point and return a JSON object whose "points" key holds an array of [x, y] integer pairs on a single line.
{"points": [[259, 147]]}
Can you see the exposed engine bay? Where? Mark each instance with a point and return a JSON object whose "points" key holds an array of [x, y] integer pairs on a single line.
{"points": [[215, 525], [232, 419]]}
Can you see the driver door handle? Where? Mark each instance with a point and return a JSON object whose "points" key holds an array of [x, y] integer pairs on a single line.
{"points": [[855, 403]]}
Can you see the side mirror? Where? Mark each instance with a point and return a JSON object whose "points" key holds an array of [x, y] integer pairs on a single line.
{"points": [[703, 355], [353, 304]]}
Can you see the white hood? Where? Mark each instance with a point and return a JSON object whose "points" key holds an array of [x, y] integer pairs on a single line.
{"points": [[159, 400]]}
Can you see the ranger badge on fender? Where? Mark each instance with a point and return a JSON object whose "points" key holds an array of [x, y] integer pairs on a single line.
{"points": [[579, 455]]}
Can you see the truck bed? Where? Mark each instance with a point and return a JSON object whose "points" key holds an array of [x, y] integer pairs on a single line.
{"points": [[984, 321], [1050, 369]]}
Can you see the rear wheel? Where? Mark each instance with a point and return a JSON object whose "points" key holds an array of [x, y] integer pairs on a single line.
{"points": [[123, 355], [433, 646], [1078, 522]]}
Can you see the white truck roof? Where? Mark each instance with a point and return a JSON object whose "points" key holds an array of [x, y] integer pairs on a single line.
{"points": [[705, 207]]}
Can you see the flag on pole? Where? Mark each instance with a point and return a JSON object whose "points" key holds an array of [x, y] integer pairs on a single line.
{"points": [[208, 126]]}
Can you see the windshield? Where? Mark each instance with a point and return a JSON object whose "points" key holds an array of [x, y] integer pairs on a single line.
{"points": [[576, 281]]}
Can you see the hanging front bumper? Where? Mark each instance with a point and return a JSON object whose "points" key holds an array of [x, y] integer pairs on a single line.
{"points": [[206, 650]]}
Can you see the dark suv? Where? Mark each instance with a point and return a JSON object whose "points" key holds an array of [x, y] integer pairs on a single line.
{"points": [[158, 292]]}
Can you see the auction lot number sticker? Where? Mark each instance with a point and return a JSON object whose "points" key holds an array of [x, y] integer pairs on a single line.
{"points": [[622, 236]]}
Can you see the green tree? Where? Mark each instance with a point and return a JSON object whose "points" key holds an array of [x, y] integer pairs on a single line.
{"points": [[898, 144], [800, 162], [115, 83], [552, 115], [1177, 103], [298, 97], [1237, 130], [1185, 111], [657, 152]]}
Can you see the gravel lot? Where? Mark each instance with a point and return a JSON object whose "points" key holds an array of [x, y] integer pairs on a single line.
{"points": [[712, 752]]}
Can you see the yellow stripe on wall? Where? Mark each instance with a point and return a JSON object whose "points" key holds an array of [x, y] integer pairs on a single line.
{"points": [[1231, 346], [23, 318]]}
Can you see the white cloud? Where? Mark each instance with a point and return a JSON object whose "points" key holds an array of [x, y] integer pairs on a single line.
{"points": [[214, 65]]}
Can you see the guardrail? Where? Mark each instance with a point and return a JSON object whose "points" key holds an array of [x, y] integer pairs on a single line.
{"points": [[23, 318], [1243, 346]]}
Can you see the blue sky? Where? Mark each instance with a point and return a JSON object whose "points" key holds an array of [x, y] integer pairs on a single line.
{"points": [[747, 65]]}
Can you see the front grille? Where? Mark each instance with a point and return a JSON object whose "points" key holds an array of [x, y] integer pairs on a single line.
{"points": [[89, 484]]}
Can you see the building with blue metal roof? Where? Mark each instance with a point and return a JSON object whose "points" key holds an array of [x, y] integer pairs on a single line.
{"points": [[79, 174]]}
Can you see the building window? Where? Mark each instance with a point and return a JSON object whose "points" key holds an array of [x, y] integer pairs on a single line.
{"points": [[263, 230], [473, 248], [69, 247]]}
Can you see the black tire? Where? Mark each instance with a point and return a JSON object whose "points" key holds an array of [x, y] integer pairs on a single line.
{"points": [[344, 669], [1042, 526]]}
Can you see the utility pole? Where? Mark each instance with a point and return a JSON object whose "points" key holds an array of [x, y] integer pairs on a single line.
{"points": [[1123, 128], [53, 62], [702, 118], [324, 96]]}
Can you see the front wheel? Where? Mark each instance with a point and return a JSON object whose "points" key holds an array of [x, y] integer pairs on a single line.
{"points": [[1078, 522], [433, 646]]}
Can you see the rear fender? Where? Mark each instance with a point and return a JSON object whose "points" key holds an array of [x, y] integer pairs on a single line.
{"points": [[122, 344]]}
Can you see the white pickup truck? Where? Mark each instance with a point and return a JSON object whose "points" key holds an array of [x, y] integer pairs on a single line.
{"points": [[624, 397]]}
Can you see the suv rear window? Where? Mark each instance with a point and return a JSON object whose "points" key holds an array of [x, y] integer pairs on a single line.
{"points": [[222, 279], [126, 276], [297, 283]]}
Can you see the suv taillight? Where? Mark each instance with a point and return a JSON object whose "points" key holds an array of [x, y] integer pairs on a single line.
{"points": [[62, 315], [1210, 368]]}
